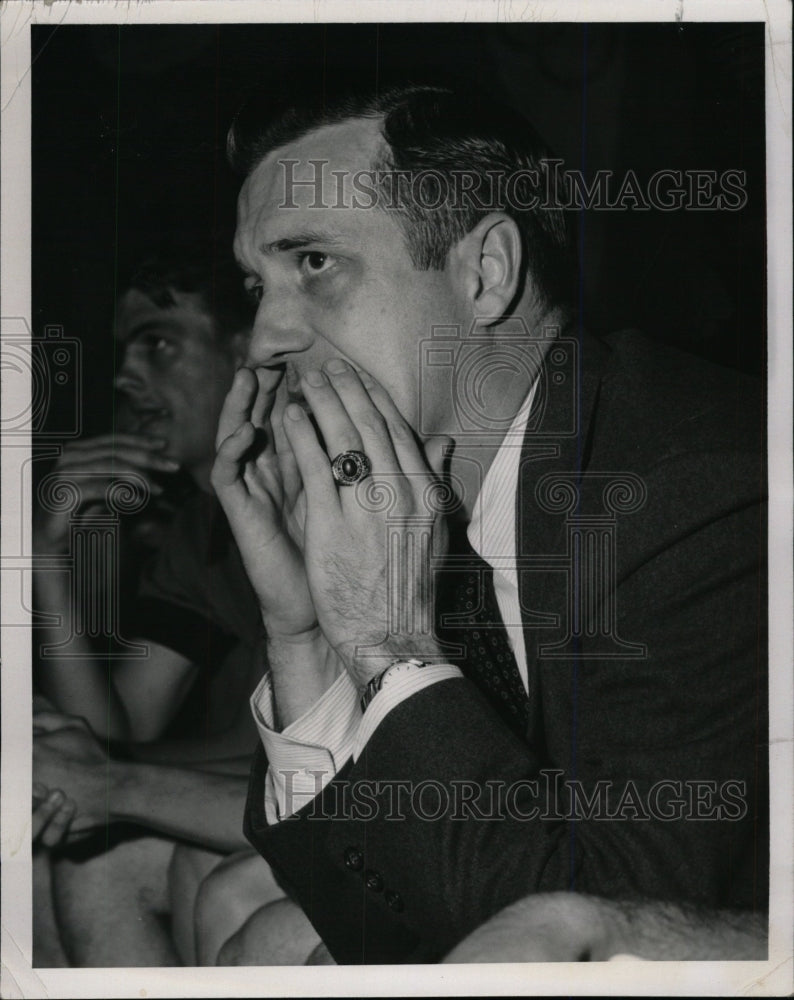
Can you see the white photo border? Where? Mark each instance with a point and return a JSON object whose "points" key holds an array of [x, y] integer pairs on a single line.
{"points": [[638, 978]]}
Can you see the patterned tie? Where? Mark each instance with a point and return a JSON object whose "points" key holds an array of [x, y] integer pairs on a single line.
{"points": [[469, 615]]}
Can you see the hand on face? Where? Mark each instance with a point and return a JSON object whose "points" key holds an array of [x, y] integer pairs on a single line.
{"points": [[257, 483], [368, 568], [93, 465]]}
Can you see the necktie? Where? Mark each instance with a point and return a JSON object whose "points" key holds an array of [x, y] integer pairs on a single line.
{"points": [[469, 616]]}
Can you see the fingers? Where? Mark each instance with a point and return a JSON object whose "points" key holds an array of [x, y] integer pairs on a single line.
{"points": [[116, 440], [42, 704], [323, 391], [250, 399], [226, 470], [93, 483], [238, 404], [268, 381], [403, 439], [48, 722], [132, 449], [311, 459], [287, 463], [354, 412], [52, 818]]}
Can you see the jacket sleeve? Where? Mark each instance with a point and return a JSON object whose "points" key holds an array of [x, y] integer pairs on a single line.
{"points": [[643, 777]]}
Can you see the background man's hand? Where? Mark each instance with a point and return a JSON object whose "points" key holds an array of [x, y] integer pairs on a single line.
{"points": [[67, 759], [52, 816], [368, 562], [95, 463]]}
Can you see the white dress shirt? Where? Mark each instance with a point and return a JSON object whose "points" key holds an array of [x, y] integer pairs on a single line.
{"points": [[307, 754]]}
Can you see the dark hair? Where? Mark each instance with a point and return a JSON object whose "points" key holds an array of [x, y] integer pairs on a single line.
{"points": [[212, 275], [444, 136]]}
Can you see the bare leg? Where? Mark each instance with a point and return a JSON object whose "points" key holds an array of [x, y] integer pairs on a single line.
{"points": [[235, 889], [112, 907], [189, 867], [277, 934]]}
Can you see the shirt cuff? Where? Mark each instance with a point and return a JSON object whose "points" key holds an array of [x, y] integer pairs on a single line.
{"points": [[393, 694], [306, 756]]}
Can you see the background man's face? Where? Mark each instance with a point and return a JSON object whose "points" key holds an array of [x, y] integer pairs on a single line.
{"points": [[336, 281], [174, 373]]}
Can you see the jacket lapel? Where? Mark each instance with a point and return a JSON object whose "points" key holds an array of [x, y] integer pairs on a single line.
{"points": [[557, 441]]}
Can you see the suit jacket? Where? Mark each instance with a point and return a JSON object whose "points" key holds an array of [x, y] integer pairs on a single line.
{"points": [[642, 773]]}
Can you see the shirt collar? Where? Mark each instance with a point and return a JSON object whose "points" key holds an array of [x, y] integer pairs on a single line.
{"points": [[492, 528]]}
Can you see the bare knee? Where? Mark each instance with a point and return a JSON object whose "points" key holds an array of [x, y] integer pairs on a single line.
{"points": [[226, 898], [276, 934], [188, 868]]}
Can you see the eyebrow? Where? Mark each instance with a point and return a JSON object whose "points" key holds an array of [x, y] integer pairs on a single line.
{"points": [[299, 240], [150, 326]]}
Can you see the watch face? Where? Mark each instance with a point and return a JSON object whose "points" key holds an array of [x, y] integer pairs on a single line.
{"points": [[400, 668]]}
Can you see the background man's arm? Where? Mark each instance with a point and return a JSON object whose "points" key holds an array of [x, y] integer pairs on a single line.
{"points": [[170, 800], [568, 927], [132, 700]]}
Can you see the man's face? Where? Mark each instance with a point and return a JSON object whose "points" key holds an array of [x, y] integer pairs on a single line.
{"points": [[337, 281], [174, 374]]}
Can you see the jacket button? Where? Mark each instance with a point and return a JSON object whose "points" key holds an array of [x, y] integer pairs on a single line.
{"points": [[354, 859], [395, 901], [374, 880]]}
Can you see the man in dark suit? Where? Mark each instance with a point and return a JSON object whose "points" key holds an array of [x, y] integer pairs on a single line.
{"points": [[578, 703]]}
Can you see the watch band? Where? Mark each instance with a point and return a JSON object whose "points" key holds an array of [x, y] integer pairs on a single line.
{"points": [[376, 683]]}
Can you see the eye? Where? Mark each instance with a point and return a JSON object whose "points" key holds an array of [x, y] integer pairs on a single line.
{"points": [[315, 262], [156, 343], [254, 293]]}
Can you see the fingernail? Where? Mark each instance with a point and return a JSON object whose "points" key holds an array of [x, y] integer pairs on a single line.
{"points": [[169, 463], [315, 377], [294, 412], [157, 442], [56, 798], [336, 366]]}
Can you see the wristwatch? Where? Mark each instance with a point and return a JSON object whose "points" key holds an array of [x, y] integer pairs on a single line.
{"points": [[397, 668]]}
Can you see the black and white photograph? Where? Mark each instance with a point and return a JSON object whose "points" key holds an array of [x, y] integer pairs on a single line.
{"points": [[397, 525]]}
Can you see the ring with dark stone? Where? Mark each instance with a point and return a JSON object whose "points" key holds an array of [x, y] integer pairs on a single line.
{"points": [[350, 467]]}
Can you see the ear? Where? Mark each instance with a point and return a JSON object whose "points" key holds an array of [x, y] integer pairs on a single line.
{"points": [[490, 260]]}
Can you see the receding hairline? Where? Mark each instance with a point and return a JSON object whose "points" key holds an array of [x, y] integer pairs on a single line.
{"points": [[378, 146]]}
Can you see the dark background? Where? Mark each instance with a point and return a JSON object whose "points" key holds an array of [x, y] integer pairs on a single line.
{"points": [[129, 127]]}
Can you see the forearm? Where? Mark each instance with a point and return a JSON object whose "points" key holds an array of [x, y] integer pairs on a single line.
{"points": [[80, 684], [672, 932], [569, 927], [198, 806]]}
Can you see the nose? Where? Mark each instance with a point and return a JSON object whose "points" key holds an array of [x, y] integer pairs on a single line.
{"points": [[129, 378], [279, 331]]}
